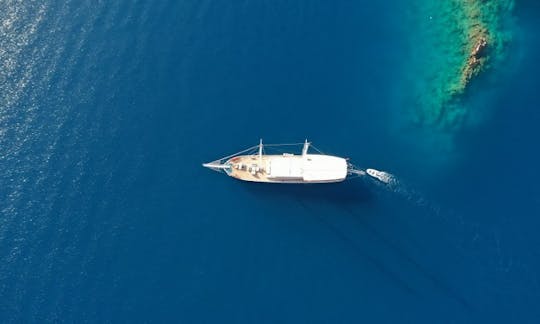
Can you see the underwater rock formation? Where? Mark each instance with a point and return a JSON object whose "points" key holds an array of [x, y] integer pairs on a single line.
{"points": [[459, 40]]}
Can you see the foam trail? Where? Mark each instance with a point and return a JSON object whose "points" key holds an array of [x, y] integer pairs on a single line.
{"points": [[391, 183]]}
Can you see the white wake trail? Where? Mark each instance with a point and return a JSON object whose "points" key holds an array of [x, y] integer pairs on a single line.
{"points": [[390, 182]]}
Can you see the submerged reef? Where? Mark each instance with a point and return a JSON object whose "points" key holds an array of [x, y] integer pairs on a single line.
{"points": [[454, 42]]}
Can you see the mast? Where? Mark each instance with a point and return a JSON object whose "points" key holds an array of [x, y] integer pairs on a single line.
{"points": [[305, 148], [260, 150]]}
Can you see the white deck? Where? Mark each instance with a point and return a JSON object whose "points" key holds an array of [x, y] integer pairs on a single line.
{"points": [[288, 168]]}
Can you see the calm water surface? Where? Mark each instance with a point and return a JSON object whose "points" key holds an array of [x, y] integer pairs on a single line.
{"points": [[107, 110]]}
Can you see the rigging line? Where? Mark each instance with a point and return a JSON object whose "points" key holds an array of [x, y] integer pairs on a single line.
{"points": [[243, 151], [316, 149], [278, 149], [287, 144]]}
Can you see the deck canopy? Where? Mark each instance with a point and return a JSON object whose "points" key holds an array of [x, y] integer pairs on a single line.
{"points": [[309, 168], [285, 167], [324, 168]]}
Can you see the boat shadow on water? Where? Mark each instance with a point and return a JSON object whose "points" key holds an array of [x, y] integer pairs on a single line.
{"points": [[347, 193], [352, 224]]}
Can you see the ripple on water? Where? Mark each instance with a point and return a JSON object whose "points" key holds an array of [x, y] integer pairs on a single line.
{"points": [[50, 125]]}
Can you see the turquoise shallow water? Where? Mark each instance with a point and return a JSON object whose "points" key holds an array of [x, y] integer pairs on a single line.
{"points": [[108, 109]]}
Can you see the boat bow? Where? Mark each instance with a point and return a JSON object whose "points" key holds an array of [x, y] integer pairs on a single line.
{"points": [[217, 166]]}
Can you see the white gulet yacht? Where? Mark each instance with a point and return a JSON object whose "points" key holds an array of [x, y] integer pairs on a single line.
{"points": [[254, 165]]}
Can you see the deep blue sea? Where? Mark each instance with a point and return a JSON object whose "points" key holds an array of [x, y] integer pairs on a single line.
{"points": [[108, 109]]}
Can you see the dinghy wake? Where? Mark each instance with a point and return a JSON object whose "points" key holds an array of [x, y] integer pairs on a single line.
{"points": [[390, 183]]}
